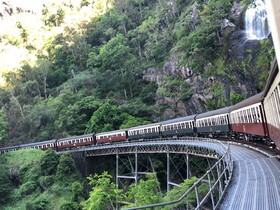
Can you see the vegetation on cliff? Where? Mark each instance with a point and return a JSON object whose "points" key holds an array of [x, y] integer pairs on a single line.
{"points": [[80, 67]]}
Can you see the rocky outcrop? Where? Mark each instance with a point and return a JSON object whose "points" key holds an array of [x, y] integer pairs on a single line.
{"points": [[238, 48], [227, 27], [174, 107], [236, 12]]}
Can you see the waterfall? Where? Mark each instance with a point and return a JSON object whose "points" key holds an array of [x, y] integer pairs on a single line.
{"points": [[256, 23]]}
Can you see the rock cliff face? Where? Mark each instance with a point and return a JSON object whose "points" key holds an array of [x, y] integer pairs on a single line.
{"points": [[237, 49]]}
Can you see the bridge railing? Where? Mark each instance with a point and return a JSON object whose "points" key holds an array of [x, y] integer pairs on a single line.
{"points": [[215, 180]]}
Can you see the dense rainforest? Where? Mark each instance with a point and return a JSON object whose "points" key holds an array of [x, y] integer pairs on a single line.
{"points": [[72, 67], [83, 66]]}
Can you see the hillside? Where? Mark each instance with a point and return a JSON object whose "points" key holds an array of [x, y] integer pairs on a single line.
{"points": [[34, 179], [83, 66]]}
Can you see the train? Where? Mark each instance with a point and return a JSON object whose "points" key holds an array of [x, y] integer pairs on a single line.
{"points": [[256, 118]]}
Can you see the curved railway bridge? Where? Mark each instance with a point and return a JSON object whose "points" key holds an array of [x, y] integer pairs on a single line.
{"points": [[243, 177]]}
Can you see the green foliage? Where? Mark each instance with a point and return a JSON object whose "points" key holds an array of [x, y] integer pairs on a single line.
{"points": [[219, 100], [148, 93], [66, 166], [46, 181], [36, 190], [49, 163], [5, 184], [28, 188], [105, 118], [146, 192], [131, 121], [175, 88], [3, 127], [70, 206], [38, 204], [103, 194], [236, 98], [201, 43], [77, 189], [177, 192], [79, 54]]}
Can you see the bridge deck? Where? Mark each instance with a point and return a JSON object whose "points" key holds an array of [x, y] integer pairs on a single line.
{"points": [[255, 182]]}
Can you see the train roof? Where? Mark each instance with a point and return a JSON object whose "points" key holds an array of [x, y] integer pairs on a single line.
{"points": [[144, 126], [9, 148], [247, 102], [108, 132], [74, 137], [38, 143], [273, 72], [224, 110], [179, 119]]}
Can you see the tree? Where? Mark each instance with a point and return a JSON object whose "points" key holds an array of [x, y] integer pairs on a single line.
{"points": [[66, 166], [73, 117], [190, 199], [5, 185], [105, 118], [146, 192], [3, 128], [49, 163], [103, 194]]}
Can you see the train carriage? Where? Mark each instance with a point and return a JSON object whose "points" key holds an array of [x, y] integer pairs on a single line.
{"points": [[75, 141], [247, 118], [111, 136], [213, 123], [144, 131], [178, 127], [272, 104], [43, 145]]}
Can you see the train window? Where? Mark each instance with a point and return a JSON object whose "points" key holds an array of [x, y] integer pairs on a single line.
{"points": [[248, 115], [253, 112], [277, 96], [273, 105], [179, 126], [241, 117]]}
